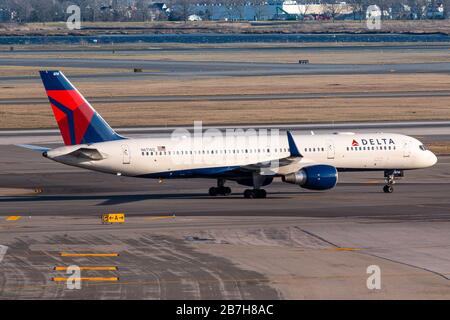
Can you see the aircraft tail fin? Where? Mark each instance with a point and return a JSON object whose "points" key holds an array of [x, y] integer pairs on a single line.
{"points": [[78, 121]]}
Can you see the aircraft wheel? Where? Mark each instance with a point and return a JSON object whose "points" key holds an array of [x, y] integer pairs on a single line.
{"points": [[388, 189], [213, 191], [258, 193], [249, 194], [226, 191], [261, 193]]}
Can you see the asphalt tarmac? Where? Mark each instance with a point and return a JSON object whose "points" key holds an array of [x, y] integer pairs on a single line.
{"points": [[177, 242], [163, 68]]}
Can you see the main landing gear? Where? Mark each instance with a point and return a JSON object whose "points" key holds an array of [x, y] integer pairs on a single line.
{"points": [[257, 181], [389, 176], [220, 190], [255, 193]]}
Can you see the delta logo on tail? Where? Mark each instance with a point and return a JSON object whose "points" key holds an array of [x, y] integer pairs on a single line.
{"points": [[77, 120]]}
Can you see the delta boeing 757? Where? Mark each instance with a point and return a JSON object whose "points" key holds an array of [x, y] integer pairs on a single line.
{"points": [[309, 161]]}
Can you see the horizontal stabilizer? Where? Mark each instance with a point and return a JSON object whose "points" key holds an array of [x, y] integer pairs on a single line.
{"points": [[32, 147]]}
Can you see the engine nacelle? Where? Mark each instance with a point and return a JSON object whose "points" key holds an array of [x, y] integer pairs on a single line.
{"points": [[318, 177]]}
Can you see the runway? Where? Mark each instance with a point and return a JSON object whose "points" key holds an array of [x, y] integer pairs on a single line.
{"points": [[162, 68], [177, 242]]}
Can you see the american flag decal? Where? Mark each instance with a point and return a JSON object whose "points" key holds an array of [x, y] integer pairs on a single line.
{"points": [[161, 148]]}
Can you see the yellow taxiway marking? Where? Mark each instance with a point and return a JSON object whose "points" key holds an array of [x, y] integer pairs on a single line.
{"points": [[88, 268], [64, 279], [65, 254], [13, 218], [160, 217]]}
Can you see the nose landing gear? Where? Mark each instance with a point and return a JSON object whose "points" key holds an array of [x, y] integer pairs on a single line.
{"points": [[389, 176], [388, 189]]}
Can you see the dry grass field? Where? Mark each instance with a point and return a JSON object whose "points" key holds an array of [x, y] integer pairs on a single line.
{"points": [[237, 85], [241, 111], [234, 112], [172, 27], [440, 148], [371, 55]]}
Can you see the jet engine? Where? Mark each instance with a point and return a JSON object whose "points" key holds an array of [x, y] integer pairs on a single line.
{"points": [[316, 177]]}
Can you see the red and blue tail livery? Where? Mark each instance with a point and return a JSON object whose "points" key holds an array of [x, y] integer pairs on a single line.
{"points": [[78, 122]]}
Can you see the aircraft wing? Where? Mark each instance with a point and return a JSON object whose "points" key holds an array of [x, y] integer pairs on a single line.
{"points": [[272, 164], [281, 165]]}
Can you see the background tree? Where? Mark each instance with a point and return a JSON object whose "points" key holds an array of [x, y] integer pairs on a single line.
{"points": [[260, 9], [181, 9], [333, 9], [359, 8], [446, 4]]}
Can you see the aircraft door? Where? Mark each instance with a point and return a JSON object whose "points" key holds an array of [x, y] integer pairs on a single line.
{"points": [[126, 154], [406, 149], [330, 149]]}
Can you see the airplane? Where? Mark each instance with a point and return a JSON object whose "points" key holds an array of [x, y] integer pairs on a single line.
{"points": [[308, 161]]}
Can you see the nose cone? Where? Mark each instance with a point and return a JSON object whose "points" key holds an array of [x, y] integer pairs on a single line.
{"points": [[428, 159], [433, 159]]}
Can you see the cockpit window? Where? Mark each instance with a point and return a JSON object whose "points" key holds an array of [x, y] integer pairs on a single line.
{"points": [[422, 147]]}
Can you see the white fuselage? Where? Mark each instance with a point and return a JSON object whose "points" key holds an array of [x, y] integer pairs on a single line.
{"points": [[166, 158]]}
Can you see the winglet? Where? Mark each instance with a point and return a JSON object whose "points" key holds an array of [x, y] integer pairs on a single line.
{"points": [[292, 146]]}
